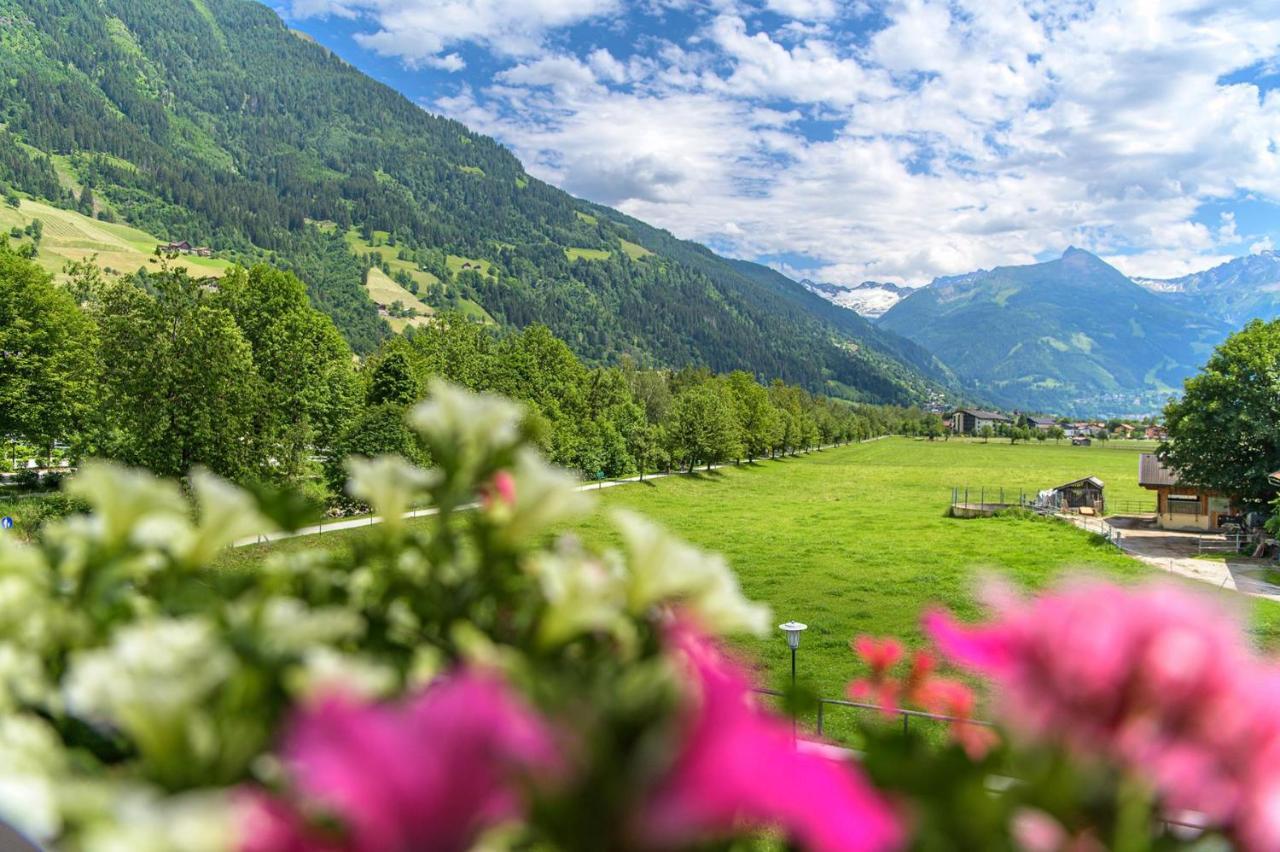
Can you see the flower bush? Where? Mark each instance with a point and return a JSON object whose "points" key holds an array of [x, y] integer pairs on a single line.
{"points": [[473, 680]]}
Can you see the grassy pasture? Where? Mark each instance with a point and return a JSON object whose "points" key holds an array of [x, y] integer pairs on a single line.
{"points": [[69, 235], [856, 539], [388, 291], [635, 251], [577, 253]]}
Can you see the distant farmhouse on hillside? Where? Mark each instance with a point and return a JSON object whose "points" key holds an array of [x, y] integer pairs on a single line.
{"points": [[970, 421], [184, 247]]}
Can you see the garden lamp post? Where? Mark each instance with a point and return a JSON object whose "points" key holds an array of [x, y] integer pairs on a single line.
{"points": [[792, 630]]}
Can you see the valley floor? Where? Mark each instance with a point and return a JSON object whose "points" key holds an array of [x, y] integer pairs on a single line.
{"points": [[857, 539]]}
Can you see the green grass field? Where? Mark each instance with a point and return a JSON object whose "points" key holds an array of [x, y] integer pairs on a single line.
{"points": [[69, 236], [857, 539]]}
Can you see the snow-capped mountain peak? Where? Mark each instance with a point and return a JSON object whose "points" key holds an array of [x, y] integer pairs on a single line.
{"points": [[870, 298]]}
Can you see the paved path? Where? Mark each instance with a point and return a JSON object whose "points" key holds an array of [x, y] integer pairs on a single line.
{"points": [[1177, 553], [353, 523]]}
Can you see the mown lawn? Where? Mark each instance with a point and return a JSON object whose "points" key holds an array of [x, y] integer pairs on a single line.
{"points": [[856, 539]]}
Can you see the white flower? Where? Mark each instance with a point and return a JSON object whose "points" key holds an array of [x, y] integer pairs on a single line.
{"points": [[325, 669], [584, 594], [152, 673], [544, 496], [389, 484], [121, 497], [464, 429], [665, 569], [226, 514], [289, 626], [142, 821], [26, 608], [22, 678], [31, 761]]}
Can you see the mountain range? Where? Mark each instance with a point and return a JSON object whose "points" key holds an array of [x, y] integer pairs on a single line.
{"points": [[210, 121], [1072, 335]]}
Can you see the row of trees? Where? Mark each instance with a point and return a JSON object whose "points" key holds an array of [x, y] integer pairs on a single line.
{"points": [[245, 377]]}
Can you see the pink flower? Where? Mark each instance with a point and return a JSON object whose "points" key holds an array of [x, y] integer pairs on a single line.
{"points": [[1157, 678], [740, 767], [426, 774], [500, 491], [879, 686]]}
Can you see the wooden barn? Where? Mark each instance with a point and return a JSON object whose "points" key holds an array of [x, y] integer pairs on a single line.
{"points": [[1179, 506], [1082, 495]]}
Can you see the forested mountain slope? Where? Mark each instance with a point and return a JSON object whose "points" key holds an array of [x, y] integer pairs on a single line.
{"points": [[210, 121], [1068, 335]]}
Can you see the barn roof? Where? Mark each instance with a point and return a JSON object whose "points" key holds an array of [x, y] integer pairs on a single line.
{"points": [[1088, 480], [1151, 472]]}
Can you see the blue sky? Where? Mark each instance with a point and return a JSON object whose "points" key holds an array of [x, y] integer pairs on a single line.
{"points": [[849, 140]]}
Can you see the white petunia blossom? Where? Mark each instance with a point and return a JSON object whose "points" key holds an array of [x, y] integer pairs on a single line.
{"points": [[152, 674], [289, 626], [226, 514], [584, 594], [122, 497], [389, 484], [327, 670], [545, 495], [31, 761], [464, 429], [22, 678], [140, 820], [665, 569]]}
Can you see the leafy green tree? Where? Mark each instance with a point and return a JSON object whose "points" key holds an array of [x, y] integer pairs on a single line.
{"points": [[759, 423], [178, 386], [391, 379], [701, 427], [47, 366], [378, 430], [986, 433], [1224, 431], [305, 386]]}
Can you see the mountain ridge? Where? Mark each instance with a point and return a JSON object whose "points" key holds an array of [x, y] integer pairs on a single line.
{"points": [[225, 128], [1073, 335]]}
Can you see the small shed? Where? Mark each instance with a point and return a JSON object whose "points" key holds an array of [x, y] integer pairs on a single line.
{"points": [[1080, 494]]}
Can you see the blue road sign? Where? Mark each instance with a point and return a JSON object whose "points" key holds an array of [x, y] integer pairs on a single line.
{"points": [[6, 522]]}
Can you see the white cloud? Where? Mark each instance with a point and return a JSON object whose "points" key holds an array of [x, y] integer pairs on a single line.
{"points": [[420, 30], [960, 134]]}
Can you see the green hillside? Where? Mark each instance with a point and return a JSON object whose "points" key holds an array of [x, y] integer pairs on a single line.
{"points": [[68, 237], [1068, 335], [225, 128]]}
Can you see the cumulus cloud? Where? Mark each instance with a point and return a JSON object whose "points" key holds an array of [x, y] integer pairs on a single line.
{"points": [[422, 31], [927, 137]]}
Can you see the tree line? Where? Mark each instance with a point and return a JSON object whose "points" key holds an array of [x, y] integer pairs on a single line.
{"points": [[243, 376]]}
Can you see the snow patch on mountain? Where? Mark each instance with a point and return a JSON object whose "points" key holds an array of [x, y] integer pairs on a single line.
{"points": [[870, 298]]}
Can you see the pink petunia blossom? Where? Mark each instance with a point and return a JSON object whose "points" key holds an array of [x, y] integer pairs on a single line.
{"points": [[429, 773], [1156, 677], [739, 766]]}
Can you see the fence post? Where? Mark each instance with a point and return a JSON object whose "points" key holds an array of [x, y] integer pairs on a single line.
{"points": [[821, 705], [906, 724], [982, 497]]}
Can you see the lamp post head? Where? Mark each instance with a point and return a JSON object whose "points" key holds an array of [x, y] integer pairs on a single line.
{"points": [[793, 629]]}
